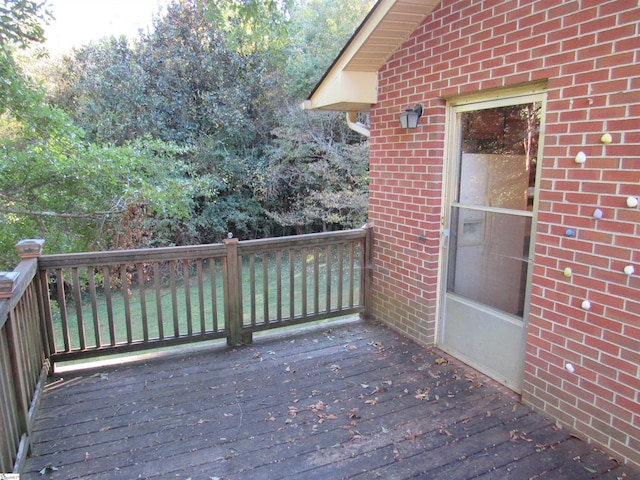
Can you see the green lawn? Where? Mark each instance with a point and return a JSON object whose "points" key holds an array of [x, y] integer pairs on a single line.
{"points": [[182, 312]]}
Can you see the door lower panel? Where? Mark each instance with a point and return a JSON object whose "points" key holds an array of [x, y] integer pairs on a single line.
{"points": [[491, 343]]}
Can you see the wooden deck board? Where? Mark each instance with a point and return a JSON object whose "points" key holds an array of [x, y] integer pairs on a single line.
{"points": [[358, 401]]}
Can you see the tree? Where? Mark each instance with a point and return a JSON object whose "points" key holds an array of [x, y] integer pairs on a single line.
{"points": [[318, 173], [187, 133], [103, 88], [317, 168], [318, 29], [79, 195], [250, 26], [22, 22]]}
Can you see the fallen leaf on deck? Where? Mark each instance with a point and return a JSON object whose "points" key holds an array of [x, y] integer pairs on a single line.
{"points": [[422, 394], [318, 407], [293, 412], [48, 468], [412, 436]]}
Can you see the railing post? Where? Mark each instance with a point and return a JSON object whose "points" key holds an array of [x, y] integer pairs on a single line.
{"points": [[367, 282], [232, 293]]}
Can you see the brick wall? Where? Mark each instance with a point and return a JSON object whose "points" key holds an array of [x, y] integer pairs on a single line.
{"points": [[588, 51]]}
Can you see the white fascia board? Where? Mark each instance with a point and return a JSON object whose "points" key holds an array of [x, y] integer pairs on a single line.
{"points": [[345, 87]]}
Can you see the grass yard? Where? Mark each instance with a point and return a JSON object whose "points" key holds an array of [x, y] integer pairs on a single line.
{"points": [[196, 305]]}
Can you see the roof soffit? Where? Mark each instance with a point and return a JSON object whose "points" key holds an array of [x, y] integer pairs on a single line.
{"points": [[385, 28]]}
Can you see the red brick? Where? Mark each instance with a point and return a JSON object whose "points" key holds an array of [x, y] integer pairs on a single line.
{"points": [[590, 63]]}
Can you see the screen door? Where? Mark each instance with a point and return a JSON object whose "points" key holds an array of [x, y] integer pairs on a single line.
{"points": [[487, 233]]}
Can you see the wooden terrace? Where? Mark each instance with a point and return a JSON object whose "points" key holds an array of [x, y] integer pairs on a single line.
{"points": [[353, 400]]}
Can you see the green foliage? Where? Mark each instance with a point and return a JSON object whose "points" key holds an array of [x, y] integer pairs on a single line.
{"points": [[21, 22], [81, 197], [321, 168], [184, 134], [250, 25], [103, 89], [318, 30]]}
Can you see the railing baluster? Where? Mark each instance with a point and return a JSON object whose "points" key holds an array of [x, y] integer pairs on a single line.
{"points": [[77, 298], [140, 276], [265, 287], [292, 292], [340, 268], [366, 262], [252, 287], [47, 317], [158, 289], [30, 335], [316, 281], [16, 352], [214, 293], [186, 280], [279, 286], [63, 309], [10, 432], [304, 282], [106, 271], [174, 298], [352, 254], [94, 305], [125, 289], [328, 253], [200, 279]]}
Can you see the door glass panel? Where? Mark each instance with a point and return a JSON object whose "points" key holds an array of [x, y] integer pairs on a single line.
{"points": [[498, 156], [489, 250], [490, 258]]}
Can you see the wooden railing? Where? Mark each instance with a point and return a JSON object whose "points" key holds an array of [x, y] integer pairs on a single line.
{"points": [[64, 307], [23, 363], [121, 301]]}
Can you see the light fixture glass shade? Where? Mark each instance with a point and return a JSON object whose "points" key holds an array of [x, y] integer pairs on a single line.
{"points": [[409, 118]]}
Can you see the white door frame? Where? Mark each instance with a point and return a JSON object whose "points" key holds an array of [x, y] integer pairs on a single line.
{"points": [[506, 97]]}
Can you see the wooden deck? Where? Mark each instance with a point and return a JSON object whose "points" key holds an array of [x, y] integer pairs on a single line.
{"points": [[356, 401]]}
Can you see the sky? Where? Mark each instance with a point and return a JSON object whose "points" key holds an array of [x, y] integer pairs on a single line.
{"points": [[77, 22]]}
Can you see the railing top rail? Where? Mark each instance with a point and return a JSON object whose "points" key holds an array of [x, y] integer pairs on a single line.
{"points": [[194, 251], [27, 269], [131, 256], [308, 240]]}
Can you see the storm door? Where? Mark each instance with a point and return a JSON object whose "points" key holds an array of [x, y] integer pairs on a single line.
{"points": [[487, 233]]}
